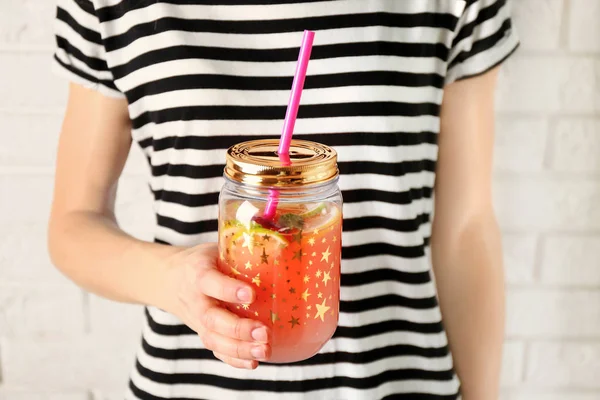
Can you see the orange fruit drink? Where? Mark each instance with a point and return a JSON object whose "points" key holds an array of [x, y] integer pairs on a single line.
{"points": [[293, 263]]}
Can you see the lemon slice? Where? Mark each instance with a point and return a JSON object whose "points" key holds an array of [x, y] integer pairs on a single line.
{"points": [[230, 228], [237, 230], [262, 232], [331, 218], [318, 210]]}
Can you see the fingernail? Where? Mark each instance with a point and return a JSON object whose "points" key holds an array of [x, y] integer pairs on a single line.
{"points": [[259, 334], [258, 352], [244, 295]]}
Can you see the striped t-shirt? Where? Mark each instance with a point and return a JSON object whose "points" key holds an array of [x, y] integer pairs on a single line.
{"points": [[200, 76]]}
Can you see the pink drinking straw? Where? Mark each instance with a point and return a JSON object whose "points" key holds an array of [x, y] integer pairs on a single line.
{"points": [[291, 114]]}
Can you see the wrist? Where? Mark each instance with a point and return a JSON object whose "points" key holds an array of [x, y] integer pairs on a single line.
{"points": [[153, 286]]}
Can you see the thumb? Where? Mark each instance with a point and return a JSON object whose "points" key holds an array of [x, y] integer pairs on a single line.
{"points": [[213, 283]]}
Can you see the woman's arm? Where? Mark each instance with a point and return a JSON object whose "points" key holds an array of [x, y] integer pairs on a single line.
{"points": [[87, 245], [466, 245], [85, 242]]}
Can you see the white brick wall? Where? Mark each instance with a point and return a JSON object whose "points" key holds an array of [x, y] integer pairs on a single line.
{"points": [[54, 344], [563, 365]]}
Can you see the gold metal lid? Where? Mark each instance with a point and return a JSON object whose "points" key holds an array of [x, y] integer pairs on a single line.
{"points": [[257, 163]]}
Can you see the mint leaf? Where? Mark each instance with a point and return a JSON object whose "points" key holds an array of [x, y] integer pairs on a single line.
{"points": [[290, 220]]}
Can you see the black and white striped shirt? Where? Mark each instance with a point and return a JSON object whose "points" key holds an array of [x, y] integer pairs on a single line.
{"points": [[202, 75]]}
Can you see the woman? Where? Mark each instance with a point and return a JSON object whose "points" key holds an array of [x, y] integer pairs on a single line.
{"points": [[403, 90]]}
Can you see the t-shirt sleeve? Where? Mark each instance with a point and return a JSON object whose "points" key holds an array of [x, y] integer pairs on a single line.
{"points": [[79, 54], [484, 38]]}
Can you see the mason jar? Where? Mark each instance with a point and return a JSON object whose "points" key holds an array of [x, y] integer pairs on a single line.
{"points": [[280, 230]]}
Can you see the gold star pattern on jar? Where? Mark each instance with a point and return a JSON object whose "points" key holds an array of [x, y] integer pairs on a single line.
{"points": [[297, 255], [264, 258], [325, 255], [326, 278], [280, 268], [305, 295], [297, 237], [321, 310], [274, 317], [294, 321]]}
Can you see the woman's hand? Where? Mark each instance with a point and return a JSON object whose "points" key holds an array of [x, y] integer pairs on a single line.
{"points": [[198, 288]]}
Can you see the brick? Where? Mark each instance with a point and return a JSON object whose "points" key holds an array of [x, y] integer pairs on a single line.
{"points": [[545, 203], [519, 257], [580, 88], [576, 145], [584, 31], [564, 365], [25, 198], [571, 260], [101, 362], [512, 363], [112, 318], [531, 83], [23, 255], [41, 311], [520, 144], [32, 84], [532, 394], [20, 131], [26, 22], [553, 313], [545, 33], [28, 395]]}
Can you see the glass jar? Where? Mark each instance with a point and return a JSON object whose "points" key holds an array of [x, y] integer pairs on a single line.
{"points": [[292, 256]]}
